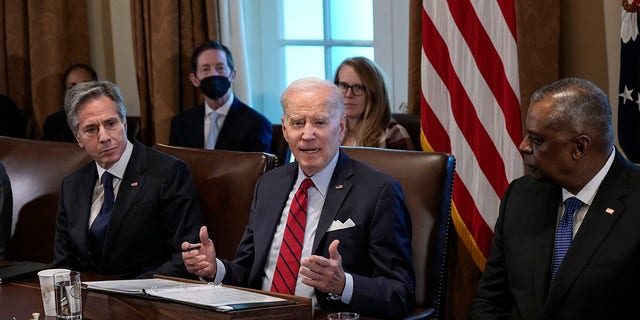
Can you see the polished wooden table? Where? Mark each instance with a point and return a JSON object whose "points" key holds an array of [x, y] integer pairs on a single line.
{"points": [[22, 298]]}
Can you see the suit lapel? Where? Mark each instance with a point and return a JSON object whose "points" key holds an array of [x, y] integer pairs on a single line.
{"points": [[546, 216], [336, 193], [272, 212], [594, 228], [229, 124], [84, 197]]}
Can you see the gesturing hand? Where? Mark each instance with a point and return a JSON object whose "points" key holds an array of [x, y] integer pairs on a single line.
{"points": [[200, 259], [324, 274]]}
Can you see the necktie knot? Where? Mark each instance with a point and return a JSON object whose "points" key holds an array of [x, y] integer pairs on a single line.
{"points": [[571, 205], [306, 184], [107, 180]]}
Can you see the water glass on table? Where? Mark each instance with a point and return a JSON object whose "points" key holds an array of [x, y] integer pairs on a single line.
{"points": [[68, 295], [343, 316]]}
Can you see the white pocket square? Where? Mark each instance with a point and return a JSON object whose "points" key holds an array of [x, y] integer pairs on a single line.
{"points": [[337, 225]]}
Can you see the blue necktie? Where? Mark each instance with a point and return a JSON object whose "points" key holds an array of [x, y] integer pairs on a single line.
{"points": [[564, 234], [213, 130], [99, 225]]}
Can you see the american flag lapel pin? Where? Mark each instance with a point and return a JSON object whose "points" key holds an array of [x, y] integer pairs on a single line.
{"points": [[609, 211], [134, 184], [338, 187]]}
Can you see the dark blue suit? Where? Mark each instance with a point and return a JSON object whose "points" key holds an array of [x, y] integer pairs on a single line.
{"points": [[377, 251], [155, 210], [244, 129], [599, 277]]}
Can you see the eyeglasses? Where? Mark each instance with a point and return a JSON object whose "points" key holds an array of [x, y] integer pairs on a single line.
{"points": [[356, 89]]}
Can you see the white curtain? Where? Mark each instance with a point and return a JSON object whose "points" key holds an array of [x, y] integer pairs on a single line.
{"points": [[233, 35]]}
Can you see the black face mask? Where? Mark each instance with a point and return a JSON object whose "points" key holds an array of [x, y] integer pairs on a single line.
{"points": [[215, 87]]}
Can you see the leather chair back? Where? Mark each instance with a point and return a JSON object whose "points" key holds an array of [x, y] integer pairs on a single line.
{"points": [[279, 146], [36, 169], [224, 181], [411, 122], [427, 182]]}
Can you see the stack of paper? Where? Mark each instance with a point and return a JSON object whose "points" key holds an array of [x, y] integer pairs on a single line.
{"points": [[218, 297]]}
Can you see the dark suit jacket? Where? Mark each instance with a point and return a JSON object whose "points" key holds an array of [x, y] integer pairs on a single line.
{"points": [[6, 211], [244, 129], [55, 128], [600, 275], [377, 251], [155, 210]]}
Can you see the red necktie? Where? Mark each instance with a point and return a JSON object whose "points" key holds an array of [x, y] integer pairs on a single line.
{"points": [[286, 274]]}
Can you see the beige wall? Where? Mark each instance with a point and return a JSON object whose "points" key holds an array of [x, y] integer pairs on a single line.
{"points": [[591, 44]]}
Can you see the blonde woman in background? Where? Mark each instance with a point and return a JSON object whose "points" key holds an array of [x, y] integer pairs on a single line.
{"points": [[367, 107]]}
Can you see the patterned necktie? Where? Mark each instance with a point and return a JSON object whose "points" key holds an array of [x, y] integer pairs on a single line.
{"points": [[564, 234], [286, 274], [213, 130], [99, 225]]}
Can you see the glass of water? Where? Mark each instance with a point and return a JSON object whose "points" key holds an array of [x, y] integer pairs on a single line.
{"points": [[68, 295]]}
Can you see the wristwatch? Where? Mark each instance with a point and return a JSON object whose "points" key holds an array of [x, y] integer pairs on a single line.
{"points": [[333, 296]]}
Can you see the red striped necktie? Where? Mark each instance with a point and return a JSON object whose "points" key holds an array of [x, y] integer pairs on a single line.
{"points": [[286, 274]]}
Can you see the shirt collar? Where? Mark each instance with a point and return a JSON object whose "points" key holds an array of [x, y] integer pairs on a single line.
{"points": [[321, 179], [588, 192], [223, 110], [118, 168]]}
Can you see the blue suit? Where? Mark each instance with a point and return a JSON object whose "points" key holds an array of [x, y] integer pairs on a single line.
{"points": [[244, 129], [377, 251], [155, 210]]}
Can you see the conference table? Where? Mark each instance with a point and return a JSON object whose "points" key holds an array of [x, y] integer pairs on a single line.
{"points": [[20, 299]]}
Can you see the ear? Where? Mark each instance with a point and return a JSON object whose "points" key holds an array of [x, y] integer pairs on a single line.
{"points": [[582, 146], [232, 76], [194, 80]]}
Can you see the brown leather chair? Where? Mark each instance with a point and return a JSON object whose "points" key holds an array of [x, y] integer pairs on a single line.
{"points": [[36, 169], [133, 128], [411, 122], [224, 181], [427, 182], [279, 146]]}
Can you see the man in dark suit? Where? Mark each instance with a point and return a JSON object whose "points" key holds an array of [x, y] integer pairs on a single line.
{"points": [[355, 254], [126, 212], [223, 121], [549, 260], [55, 127]]}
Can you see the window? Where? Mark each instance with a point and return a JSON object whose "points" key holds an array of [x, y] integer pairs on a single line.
{"points": [[291, 39]]}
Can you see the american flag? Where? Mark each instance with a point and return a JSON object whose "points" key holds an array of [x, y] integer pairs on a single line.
{"points": [[470, 107], [629, 98]]}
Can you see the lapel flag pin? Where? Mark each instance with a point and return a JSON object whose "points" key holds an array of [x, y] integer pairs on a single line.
{"points": [[609, 211], [134, 184], [338, 187]]}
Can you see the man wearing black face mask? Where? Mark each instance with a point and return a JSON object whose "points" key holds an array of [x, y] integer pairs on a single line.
{"points": [[223, 121]]}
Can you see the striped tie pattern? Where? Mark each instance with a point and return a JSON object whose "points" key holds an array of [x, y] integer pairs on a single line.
{"points": [[286, 274], [564, 234]]}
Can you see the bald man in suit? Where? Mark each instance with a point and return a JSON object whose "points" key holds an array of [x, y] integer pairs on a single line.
{"points": [[571, 157]]}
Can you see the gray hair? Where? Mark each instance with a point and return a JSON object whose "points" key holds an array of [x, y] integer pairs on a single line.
{"points": [[85, 91], [317, 87], [579, 105]]}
